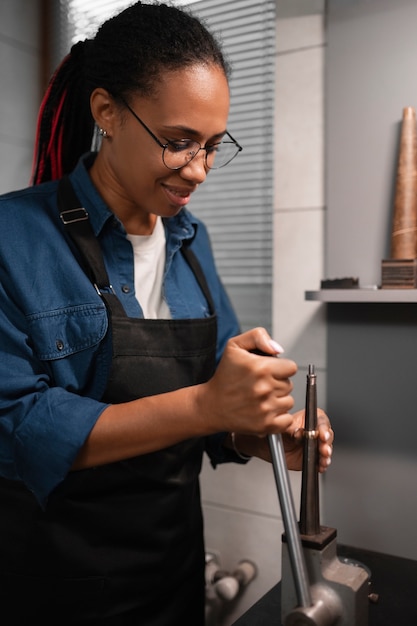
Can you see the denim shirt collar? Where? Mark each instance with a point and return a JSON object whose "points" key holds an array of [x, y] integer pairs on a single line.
{"points": [[179, 228]]}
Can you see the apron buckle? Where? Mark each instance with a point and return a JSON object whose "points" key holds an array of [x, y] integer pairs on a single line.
{"points": [[74, 215], [104, 290]]}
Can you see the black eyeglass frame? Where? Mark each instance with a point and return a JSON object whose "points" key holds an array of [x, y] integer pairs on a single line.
{"points": [[166, 145]]}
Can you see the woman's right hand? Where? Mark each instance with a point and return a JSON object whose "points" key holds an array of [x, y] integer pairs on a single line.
{"points": [[250, 393]]}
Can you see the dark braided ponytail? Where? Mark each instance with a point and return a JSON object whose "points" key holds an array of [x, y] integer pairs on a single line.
{"points": [[65, 124], [127, 55]]}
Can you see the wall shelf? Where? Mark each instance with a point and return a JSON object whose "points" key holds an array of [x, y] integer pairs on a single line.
{"points": [[363, 295]]}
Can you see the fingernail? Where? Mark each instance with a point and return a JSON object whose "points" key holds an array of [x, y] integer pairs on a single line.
{"points": [[276, 347]]}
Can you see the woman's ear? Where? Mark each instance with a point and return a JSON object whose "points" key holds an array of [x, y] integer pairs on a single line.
{"points": [[103, 110]]}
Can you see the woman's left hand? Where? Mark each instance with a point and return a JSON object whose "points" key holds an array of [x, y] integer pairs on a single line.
{"points": [[293, 442]]}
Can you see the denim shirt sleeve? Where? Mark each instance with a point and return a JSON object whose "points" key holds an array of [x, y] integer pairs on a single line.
{"points": [[42, 424], [48, 343]]}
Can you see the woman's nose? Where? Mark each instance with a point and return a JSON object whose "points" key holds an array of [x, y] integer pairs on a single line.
{"points": [[196, 170]]}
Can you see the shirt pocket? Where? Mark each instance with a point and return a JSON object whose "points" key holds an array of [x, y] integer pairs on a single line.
{"points": [[63, 332]]}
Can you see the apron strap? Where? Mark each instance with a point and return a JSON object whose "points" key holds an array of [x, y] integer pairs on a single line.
{"points": [[199, 274], [77, 224]]}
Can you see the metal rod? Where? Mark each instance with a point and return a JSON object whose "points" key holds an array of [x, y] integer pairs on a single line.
{"points": [[310, 510], [299, 568]]}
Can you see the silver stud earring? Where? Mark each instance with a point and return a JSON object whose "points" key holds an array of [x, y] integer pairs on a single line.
{"points": [[103, 133]]}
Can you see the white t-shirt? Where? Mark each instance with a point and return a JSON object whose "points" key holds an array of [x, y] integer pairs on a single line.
{"points": [[149, 259]]}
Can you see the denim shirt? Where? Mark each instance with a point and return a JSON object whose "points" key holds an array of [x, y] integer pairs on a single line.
{"points": [[55, 348]]}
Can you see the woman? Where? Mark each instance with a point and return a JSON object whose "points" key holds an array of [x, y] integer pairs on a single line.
{"points": [[121, 359]]}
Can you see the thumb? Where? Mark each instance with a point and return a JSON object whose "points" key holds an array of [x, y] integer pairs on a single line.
{"points": [[258, 340]]}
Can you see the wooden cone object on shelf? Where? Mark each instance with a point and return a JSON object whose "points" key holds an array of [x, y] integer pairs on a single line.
{"points": [[404, 228]]}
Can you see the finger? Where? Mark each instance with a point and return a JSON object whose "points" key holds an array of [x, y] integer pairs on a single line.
{"points": [[326, 437], [324, 427], [325, 458], [298, 434], [281, 386], [281, 422], [326, 434], [325, 450], [296, 428]]}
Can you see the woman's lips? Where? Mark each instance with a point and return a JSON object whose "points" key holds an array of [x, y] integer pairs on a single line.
{"points": [[177, 196]]}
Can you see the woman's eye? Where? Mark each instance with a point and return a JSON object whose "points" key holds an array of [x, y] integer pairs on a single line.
{"points": [[213, 148], [180, 145]]}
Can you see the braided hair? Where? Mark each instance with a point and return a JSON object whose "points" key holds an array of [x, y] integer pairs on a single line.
{"points": [[127, 55]]}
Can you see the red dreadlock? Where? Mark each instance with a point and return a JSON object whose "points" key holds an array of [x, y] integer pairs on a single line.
{"points": [[65, 125]]}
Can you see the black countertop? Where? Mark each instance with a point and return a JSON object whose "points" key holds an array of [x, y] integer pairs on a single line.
{"points": [[394, 579]]}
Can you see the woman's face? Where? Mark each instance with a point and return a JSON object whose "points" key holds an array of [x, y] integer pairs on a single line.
{"points": [[189, 104]]}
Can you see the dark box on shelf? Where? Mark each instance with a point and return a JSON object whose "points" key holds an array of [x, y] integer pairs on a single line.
{"points": [[399, 274], [340, 283]]}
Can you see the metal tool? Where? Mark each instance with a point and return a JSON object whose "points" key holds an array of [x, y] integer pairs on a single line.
{"points": [[317, 588], [310, 509]]}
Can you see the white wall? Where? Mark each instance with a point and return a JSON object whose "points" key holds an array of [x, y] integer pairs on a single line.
{"points": [[241, 507], [19, 80]]}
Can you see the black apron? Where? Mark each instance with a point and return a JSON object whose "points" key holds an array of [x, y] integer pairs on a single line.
{"points": [[119, 544]]}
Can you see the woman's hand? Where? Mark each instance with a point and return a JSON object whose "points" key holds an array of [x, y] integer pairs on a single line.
{"points": [[250, 392], [247, 393], [293, 442]]}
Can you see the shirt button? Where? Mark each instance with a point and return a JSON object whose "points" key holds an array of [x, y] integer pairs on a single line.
{"points": [[126, 289], [59, 344]]}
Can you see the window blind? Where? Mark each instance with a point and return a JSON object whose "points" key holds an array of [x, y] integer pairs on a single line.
{"points": [[236, 202]]}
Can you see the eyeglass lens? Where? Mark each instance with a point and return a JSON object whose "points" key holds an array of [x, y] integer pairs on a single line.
{"points": [[176, 155]]}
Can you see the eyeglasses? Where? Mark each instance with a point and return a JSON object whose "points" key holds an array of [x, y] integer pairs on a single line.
{"points": [[177, 154]]}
